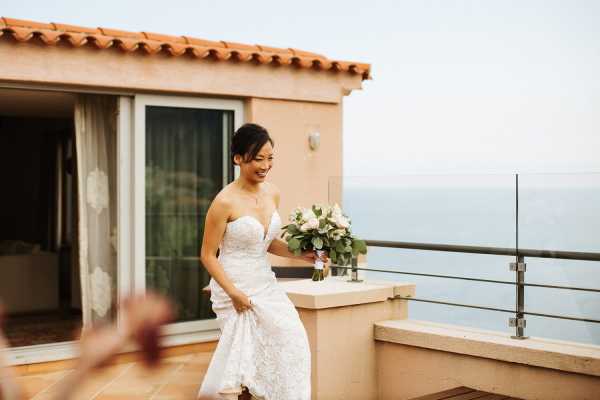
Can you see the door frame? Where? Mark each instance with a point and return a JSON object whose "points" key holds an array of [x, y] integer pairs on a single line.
{"points": [[136, 185]]}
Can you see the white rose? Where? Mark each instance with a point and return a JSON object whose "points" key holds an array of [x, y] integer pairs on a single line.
{"points": [[340, 220], [307, 215], [312, 223], [336, 210]]}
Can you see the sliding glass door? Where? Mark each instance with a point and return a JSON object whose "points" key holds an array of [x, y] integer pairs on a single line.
{"points": [[184, 143]]}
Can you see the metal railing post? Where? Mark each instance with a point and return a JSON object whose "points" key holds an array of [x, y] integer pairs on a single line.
{"points": [[354, 271], [519, 322]]}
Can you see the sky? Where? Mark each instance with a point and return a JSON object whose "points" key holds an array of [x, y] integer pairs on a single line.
{"points": [[469, 87]]}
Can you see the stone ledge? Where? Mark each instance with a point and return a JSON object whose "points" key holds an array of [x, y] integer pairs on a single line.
{"points": [[555, 354], [338, 292]]}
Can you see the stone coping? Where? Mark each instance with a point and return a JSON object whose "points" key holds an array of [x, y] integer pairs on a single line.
{"points": [[555, 354], [338, 292]]}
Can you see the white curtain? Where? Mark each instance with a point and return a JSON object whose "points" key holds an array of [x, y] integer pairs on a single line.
{"points": [[95, 143]]}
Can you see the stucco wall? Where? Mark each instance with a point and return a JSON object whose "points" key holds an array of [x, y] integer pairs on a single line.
{"points": [[301, 174], [405, 372]]}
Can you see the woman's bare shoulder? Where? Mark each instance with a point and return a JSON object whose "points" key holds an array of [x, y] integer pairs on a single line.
{"points": [[223, 202], [274, 192]]}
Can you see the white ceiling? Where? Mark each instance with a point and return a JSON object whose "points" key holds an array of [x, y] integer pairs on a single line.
{"points": [[35, 103]]}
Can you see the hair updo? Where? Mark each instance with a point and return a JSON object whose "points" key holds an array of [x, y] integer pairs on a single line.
{"points": [[248, 140]]}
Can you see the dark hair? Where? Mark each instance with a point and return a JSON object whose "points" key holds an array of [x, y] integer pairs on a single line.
{"points": [[248, 140]]}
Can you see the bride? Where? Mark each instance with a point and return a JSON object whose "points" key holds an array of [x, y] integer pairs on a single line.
{"points": [[263, 350]]}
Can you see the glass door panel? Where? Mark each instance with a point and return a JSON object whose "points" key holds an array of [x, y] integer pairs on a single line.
{"points": [[186, 165]]}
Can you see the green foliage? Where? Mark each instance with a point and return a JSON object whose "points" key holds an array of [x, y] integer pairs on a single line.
{"points": [[293, 244], [317, 242]]}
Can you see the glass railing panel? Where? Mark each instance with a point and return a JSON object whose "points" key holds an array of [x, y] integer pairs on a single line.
{"points": [[439, 209], [452, 209], [561, 212]]}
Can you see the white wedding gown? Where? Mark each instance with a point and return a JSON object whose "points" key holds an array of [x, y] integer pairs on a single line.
{"points": [[266, 348]]}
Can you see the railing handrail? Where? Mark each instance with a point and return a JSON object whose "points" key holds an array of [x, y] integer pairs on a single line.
{"points": [[519, 267], [500, 251]]}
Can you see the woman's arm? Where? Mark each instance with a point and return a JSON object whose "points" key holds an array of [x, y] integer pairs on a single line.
{"points": [[280, 248], [214, 229]]}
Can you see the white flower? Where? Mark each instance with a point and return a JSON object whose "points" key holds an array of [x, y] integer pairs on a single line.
{"points": [[342, 222], [336, 210], [312, 223], [307, 215], [101, 297], [296, 214], [338, 217], [97, 190]]}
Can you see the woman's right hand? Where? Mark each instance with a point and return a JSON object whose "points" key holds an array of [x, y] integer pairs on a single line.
{"points": [[240, 301]]}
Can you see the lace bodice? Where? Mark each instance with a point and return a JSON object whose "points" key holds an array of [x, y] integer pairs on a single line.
{"points": [[247, 235], [243, 251]]}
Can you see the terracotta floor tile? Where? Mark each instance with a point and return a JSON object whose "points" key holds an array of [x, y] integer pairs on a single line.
{"points": [[92, 386], [177, 378], [144, 391], [178, 359], [187, 377], [201, 357], [35, 384], [139, 374], [178, 391]]}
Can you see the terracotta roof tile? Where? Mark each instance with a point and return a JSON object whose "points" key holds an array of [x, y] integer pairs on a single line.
{"points": [[75, 29], [272, 49], [241, 46], [203, 42], [163, 38], [50, 37], [21, 23], [121, 34], [151, 43], [101, 41]]}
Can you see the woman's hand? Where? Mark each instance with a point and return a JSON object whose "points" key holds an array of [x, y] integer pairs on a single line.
{"points": [[311, 257], [240, 301]]}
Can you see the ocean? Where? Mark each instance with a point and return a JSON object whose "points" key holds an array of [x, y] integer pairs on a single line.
{"points": [[555, 212]]}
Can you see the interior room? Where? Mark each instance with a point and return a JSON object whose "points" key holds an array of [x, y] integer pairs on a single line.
{"points": [[39, 281]]}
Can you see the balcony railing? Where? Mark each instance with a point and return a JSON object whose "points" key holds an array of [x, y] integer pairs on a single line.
{"points": [[579, 188], [518, 321]]}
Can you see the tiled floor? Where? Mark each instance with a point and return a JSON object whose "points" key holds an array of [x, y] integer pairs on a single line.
{"points": [[177, 378]]}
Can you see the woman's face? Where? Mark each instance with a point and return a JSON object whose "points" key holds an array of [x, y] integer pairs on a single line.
{"points": [[257, 169]]}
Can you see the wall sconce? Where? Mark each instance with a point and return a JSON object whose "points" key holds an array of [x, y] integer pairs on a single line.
{"points": [[314, 140]]}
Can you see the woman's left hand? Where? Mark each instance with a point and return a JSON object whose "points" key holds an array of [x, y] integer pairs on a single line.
{"points": [[311, 256]]}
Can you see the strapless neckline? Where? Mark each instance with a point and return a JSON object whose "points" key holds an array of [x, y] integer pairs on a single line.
{"points": [[253, 218]]}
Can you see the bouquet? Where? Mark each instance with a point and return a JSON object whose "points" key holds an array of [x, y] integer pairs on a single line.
{"points": [[322, 228]]}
